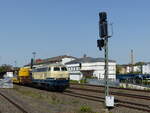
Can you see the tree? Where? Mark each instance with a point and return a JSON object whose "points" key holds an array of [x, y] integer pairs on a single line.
{"points": [[118, 69], [5, 68]]}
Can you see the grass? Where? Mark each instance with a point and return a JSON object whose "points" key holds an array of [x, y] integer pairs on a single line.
{"points": [[75, 101], [29, 93], [51, 99], [86, 109], [55, 100], [74, 81]]}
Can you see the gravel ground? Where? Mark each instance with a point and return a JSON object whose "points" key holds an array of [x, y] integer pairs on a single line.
{"points": [[40, 101]]}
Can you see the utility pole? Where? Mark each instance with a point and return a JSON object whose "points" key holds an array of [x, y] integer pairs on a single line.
{"points": [[103, 43], [132, 61], [15, 63], [34, 53]]}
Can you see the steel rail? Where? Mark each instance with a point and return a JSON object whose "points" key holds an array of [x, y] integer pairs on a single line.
{"points": [[134, 107], [16, 105], [116, 100], [114, 93], [122, 103]]}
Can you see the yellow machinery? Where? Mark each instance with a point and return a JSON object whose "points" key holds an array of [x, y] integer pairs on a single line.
{"points": [[23, 76]]}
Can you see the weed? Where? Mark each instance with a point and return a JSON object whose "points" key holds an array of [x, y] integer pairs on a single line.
{"points": [[75, 101], [85, 108], [53, 97], [55, 100], [74, 81]]}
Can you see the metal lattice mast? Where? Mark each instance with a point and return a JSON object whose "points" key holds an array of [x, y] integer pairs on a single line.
{"points": [[106, 67]]}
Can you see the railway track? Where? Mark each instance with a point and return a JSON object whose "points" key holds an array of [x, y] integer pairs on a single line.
{"points": [[13, 103], [125, 89], [114, 93], [128, 104], [89, 94]]}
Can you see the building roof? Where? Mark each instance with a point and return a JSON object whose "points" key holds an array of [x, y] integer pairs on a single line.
{"points": [[147, 63], [88, 60], [56, 59], [52, 60]]}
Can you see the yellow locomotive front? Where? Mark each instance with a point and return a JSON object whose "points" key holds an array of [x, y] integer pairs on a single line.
{"points": [[23, 76]]}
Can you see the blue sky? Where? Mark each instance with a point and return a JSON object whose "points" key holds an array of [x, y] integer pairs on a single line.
{"points": [[58, 27]]}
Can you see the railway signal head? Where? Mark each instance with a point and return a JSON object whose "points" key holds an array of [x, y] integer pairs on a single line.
{"points": [[103, 30], [103, 16], [100, 44]]}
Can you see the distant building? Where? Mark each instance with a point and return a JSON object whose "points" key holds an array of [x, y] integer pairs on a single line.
{"points": [[93, 67], [146, 68], [135, 69], [139, 67]]}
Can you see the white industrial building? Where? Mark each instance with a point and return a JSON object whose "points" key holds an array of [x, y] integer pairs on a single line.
{"points": [[146, 68], [135, 69], [88, 66]]}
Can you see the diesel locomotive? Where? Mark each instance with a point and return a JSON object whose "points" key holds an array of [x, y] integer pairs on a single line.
{"points": [[52, 76]]}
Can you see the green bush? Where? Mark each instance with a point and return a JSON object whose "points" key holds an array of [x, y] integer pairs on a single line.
{"points": [[74, 81], [85, 108], [82, 81]]}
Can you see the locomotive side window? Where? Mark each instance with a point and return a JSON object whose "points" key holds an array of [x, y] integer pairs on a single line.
{"points": [[40, 70], [49, 69], [63, 68], [56, 69]]}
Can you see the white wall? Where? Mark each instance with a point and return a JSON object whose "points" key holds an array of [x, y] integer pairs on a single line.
{"points": [[146, 69], [98, 68], [99, 71], [74, 71], [76, 76], [135, 69], [65, 60]]}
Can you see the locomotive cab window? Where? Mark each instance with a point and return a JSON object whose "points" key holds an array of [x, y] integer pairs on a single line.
{"points": [[63, 68], [56, 69]]}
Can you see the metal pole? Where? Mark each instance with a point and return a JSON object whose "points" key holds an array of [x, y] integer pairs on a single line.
{"points": [[34, 53], [15, 63], [106, 66], [103, 43]]}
